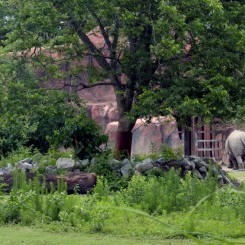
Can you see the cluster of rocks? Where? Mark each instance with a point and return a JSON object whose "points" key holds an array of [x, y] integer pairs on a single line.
{"points": [[76, 181], [76, 177], [199, 167]]}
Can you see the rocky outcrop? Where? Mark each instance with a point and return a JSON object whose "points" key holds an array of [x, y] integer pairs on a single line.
{"points": [[103, 114], [149, 137]]}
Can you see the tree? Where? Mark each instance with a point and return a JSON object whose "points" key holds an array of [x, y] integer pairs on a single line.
{"points": [[38, 118], [174, 57]]}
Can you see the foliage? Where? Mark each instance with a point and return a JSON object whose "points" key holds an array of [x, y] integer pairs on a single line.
{"points": [[167, 193], [165, 151], [35, 117], [81, 133], [181, 58], [166, 207], [102, 167], [169, 153]]}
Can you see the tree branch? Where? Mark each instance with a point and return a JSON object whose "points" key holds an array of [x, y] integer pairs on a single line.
{"points": [[93, 49], [102, 29], [81, 86]]}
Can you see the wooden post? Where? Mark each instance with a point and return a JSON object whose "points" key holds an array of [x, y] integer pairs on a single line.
{"points": [[188, 138]]}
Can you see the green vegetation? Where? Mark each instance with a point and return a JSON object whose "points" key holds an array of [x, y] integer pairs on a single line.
{"points": [[33, 235], [42, 119], [170, 58], [155, 207], [175, 58]]}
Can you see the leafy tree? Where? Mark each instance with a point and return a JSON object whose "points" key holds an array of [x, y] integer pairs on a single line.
{"points": [[180, 58], [39, 118]]}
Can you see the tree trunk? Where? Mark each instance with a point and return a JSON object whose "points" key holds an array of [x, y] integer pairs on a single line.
{"points": [[125, 125], [123, 140], [185, 127]]}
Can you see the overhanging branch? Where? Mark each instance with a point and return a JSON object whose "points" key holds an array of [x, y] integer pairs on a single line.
{"points": [[92, 48]]}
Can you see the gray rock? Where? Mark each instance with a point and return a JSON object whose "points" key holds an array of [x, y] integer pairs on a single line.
{"points": [[188, 165], [26, 160], [83, 163], [115, 164], [197, 174], [93, 161], [142, 167], [126, 169], [50, 169], [125, 161], [160, 160], [65, 163], [194, 158], [203, 169], [209, 160], [200, 164], [27, 165]]}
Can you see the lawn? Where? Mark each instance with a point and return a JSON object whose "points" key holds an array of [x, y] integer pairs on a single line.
{"points": [[16, 235], [239, 175]]}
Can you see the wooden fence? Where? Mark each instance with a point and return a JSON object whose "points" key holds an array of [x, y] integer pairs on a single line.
{"points": [[205, 140]]}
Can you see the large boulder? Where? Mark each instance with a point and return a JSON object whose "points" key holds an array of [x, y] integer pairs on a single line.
{"points": [[148, 137], [65, 163], [80, 183]]}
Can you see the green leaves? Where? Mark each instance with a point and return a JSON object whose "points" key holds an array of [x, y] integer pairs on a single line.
{"points": [[177, 57], [33, 117]]}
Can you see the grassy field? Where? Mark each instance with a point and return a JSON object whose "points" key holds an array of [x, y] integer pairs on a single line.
{"points": [[16, 235], [127, 217], [239, 175]]}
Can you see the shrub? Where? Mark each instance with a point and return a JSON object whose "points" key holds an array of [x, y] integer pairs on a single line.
{"points": [[165, 151], [169, 193], [39, 118], [102, 167]]}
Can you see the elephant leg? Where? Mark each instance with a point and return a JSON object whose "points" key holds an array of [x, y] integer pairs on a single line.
{"points": [[235, 164], [240, 162], [230, 162]]}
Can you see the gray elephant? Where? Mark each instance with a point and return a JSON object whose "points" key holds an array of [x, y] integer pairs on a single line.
{"points": [[235, 148]]}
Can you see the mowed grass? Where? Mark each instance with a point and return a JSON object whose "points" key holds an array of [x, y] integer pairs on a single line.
{"points": [[16, 235], [239, 175]]}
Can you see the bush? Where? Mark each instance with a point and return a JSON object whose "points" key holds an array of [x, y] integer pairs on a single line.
{"points": [[165, 151], [169, 193], [38, 118], [103, 168]]}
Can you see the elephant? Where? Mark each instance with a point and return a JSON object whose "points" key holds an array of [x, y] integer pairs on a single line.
{"points": [[235, 148]]}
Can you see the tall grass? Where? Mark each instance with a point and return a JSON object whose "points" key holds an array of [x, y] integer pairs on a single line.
{"points": [[159, 206]]}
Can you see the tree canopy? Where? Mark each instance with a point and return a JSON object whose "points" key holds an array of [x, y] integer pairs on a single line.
{"points": [[38, 118], [169, 57]]}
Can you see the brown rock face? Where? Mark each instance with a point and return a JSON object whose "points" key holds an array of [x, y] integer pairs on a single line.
{"points": [[103, 114], [96, 95], [148, 138]]}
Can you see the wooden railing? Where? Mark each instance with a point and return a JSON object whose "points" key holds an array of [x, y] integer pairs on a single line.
{"points": [[210, 148]]}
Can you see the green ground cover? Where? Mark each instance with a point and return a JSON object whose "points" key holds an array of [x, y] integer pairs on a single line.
{"points": [[15, 235], [150, 210]]}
